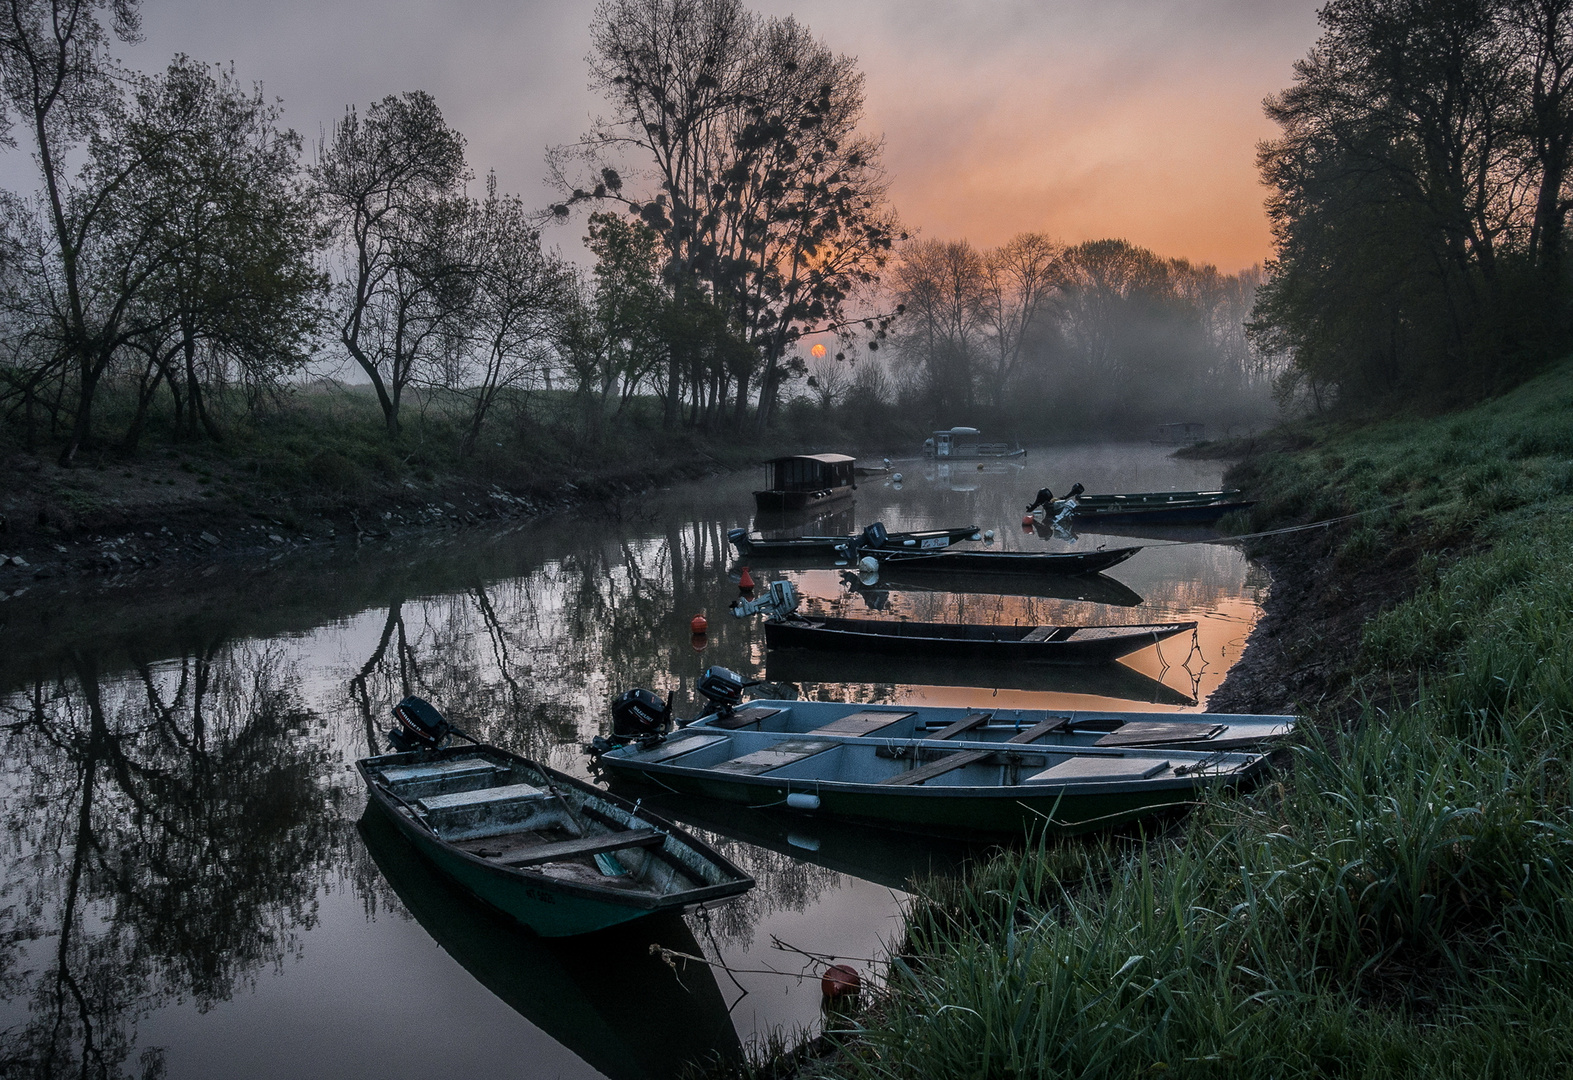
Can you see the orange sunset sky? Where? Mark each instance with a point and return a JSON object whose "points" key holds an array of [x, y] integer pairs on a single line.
{"points": [[1079, 118]]}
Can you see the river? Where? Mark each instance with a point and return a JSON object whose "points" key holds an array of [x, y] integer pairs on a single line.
{"points": [[189, 889]]}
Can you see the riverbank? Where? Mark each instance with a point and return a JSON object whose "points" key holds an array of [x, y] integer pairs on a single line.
{"points": [[1396, 902]]}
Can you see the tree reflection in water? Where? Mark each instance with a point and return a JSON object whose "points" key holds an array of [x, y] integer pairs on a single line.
{"points": [[168, 833]]}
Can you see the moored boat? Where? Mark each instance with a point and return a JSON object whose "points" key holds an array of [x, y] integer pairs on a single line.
{"points": [[806, 481], [1139, 508], [966, 442], [1000, 644], [1030, 563], [557, 854], [1091, 588], [751, 545]]}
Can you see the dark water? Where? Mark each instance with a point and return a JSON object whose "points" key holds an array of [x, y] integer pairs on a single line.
{"points": [[188, 888]]}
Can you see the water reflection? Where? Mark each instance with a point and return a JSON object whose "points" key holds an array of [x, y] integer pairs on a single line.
{"points": [[605, 996], [181, 818]]}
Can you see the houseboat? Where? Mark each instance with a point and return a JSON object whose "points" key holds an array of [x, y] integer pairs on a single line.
{"points": [[806, 481], [966, 442]]}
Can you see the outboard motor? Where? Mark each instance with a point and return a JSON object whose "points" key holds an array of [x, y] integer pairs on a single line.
{"points": [[1066, 506], [738, 538], [640, 714], [420, 726], [779, 601], [875, 536], [723, 689]]}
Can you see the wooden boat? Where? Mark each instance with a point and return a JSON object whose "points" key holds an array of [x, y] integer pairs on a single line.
{"points": [[971, 788], [1004, 562], [749, 544], [1104, 681], [561, 986], [1164, 498], [559, 855], [806, 481], [1001, 644], [1062, 728], [1156, 513]]}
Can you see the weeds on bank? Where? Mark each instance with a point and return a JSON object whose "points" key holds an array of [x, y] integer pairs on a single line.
{"points": [[1398, 903]]}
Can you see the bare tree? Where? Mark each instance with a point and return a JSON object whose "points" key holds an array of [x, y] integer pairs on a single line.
{"points": [[1019, 280]]}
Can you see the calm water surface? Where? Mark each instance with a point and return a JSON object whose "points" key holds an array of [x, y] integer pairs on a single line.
{"points": [[189, 887]]}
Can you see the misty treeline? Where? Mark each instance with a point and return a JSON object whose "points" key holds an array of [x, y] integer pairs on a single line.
{"points": [[1420, 191], [1049, 339]]}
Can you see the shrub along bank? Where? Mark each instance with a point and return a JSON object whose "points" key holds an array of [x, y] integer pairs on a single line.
{"points": [[1398, 901]]}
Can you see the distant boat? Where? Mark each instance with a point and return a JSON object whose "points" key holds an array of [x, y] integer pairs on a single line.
{"points": [[968, 788], [999, 644], [1091, 588], [557, 854], [806, 481], [1145, 508], [966, 442], [561, 986]]}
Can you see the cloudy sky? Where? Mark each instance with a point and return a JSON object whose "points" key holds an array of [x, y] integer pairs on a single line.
{"points": [[1080, 118]]}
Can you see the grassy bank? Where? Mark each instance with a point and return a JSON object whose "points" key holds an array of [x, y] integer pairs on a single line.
{"points": [[1398, 901]]}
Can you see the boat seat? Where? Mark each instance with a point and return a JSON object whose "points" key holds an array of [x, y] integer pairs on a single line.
{"points": [[940, 767], [1093, 770], [580, 846], [966, 723], [1100, 633], [867, 722], [1041, 633], [743, 718], [679, 745], [439, 770], [1039, 730], [487, 797], [1148, 732], [774, 757]]}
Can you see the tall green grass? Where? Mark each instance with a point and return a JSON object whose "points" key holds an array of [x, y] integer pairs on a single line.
{"points": [[1397, 902]]}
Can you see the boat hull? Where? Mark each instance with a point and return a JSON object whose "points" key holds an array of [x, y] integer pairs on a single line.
{"points": [[1008, 562], [920, 540], [962, 641], [776, 501], [1203, 514]]}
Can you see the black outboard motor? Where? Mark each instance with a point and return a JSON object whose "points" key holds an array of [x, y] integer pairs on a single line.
{"points": [[723, 689], [639, 715], [420, 726], [875, 536]]}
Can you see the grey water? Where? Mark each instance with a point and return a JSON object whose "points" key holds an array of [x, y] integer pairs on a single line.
{"points": [[189, 887]]}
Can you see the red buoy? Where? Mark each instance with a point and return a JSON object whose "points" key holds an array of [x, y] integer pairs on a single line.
{"points": [[745, 580], [1026, 521], [698, 624], [840, 981]]}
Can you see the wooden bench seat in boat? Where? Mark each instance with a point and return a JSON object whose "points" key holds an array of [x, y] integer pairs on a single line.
{"points": [[488, 797], [1097, 633], [1147, 732], [867, 722], [1093, 770], [1042, 633], [743, 718], [774, 757], [964, 758], [527, 850], [966, 723], [439, 770], [681, 744]]}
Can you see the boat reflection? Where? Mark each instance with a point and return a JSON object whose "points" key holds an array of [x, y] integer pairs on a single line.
{"points": [[603, 996], [1107, 680], [886, 857]]}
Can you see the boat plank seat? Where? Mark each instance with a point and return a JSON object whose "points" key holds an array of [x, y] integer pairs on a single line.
{"points": [[581, 846], [491, 796], [742, 718], [867, 722], [966, 723], [1092, 770], [439, 770], [1041, 633], [1147, 732], [1040, 729], [1103, 633], [774, 757], [939, 767], [681, 744]]}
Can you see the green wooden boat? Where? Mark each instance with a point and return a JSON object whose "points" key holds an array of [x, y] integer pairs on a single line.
{"points": [[951, 786], [561, 985], [557, 854]]}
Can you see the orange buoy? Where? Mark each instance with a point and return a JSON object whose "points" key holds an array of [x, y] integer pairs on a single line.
{"points": [[1026, 521], [745, 580], [699, 641], [840, 981], [698, 624]]}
